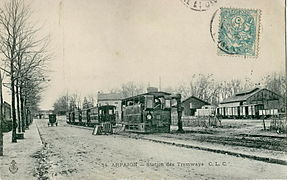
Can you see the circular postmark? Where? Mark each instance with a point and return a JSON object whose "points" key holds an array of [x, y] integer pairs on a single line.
{"points": [[199, 5]]}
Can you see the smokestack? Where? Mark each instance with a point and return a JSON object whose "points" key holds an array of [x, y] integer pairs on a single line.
{"points": [[152, 89]]}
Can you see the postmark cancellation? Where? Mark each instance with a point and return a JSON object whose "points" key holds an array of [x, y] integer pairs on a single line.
{"points": [[238, 32]]}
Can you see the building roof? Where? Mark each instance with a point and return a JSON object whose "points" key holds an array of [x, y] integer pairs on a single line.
{"points": [[241, 96], [193, 97], [109, 96], [45, 111]]}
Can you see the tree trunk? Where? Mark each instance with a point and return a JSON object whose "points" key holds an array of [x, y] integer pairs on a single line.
{"points": [[1, 117], [18, 107], [22, 109], [26, 114], [14, 120]]}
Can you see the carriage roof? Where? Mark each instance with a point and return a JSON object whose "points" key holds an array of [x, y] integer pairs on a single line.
{"points": [[100, 107]]}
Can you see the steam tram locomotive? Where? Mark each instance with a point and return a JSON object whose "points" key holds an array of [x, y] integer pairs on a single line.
{"points": [[149, 112], [92, 116]]}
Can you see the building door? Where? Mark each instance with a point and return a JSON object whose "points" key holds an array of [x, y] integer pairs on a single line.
{"points": [[246, 111], [192, 112]]}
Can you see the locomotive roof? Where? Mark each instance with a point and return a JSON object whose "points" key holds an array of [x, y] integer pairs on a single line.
{"points": [[159, 93]]}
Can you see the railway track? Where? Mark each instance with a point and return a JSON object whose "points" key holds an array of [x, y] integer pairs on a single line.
{"points": [[228, 141]]}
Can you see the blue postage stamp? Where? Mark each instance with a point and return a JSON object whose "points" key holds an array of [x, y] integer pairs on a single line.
{"points": [[238, 32]]}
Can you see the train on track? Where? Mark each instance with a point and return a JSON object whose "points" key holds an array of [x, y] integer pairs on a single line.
{"points": [[92, 116], [145, 113], [152, 112]]}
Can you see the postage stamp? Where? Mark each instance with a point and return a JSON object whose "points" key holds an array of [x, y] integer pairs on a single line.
{"points": [[238, 32], [199, 5]]}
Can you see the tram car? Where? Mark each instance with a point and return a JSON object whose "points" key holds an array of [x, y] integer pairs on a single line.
{"points": [[107, 113], [70, 116], [52, 120], [77, 117], [7, 120], [148, 113], [92, 116]]}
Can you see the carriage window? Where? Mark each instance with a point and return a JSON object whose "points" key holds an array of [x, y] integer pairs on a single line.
{"points": [[110, 111]]}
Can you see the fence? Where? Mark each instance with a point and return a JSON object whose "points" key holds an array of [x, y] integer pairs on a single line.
{"points": [[191, 121], [279, 124]]}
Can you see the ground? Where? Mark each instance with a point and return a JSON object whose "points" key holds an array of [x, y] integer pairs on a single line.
{"points": [[70, 152]]}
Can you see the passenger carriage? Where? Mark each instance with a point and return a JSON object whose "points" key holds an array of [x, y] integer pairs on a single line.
{"points": [[78, 117], [92, 116]]}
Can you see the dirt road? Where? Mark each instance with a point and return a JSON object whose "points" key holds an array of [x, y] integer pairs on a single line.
{"points": [[74, 153]]}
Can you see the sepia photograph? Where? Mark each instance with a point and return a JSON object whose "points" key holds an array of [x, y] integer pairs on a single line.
{"points": [[143, 90]]}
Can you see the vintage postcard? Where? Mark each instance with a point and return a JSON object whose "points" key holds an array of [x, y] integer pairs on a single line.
{"points": [[143, 89]]}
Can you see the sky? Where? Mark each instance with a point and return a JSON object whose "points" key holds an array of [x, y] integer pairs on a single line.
{"points": [[98, 45]]}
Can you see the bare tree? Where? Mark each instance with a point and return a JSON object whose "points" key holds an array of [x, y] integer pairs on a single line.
{"points": [[24, 56], [91, 99], [1, 115], [12, 20], [131, 89], [61, 105]]}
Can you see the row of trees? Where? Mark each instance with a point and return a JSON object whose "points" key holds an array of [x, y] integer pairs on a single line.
{"points": [[23, 63], [205, 87], [70, 101]]}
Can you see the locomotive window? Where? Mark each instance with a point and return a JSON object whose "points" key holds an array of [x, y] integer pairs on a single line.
{"points": [[167, 103], [174, 103], [157, 103], [149, 101], [110, 111]]}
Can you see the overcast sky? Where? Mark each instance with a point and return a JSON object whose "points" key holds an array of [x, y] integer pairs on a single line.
{"points": [[100, 44]]}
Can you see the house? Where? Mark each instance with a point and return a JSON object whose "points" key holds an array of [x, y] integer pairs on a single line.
{"points": [[248, 104], [191, 104], [43, 114], [111, 99]]}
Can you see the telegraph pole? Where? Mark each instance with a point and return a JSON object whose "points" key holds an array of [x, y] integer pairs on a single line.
{"points": [[179, 113], [1, 116]]}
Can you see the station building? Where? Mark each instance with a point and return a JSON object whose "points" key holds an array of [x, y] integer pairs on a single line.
{"points": [[249, 104], [43, 114], [191, 105]]}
